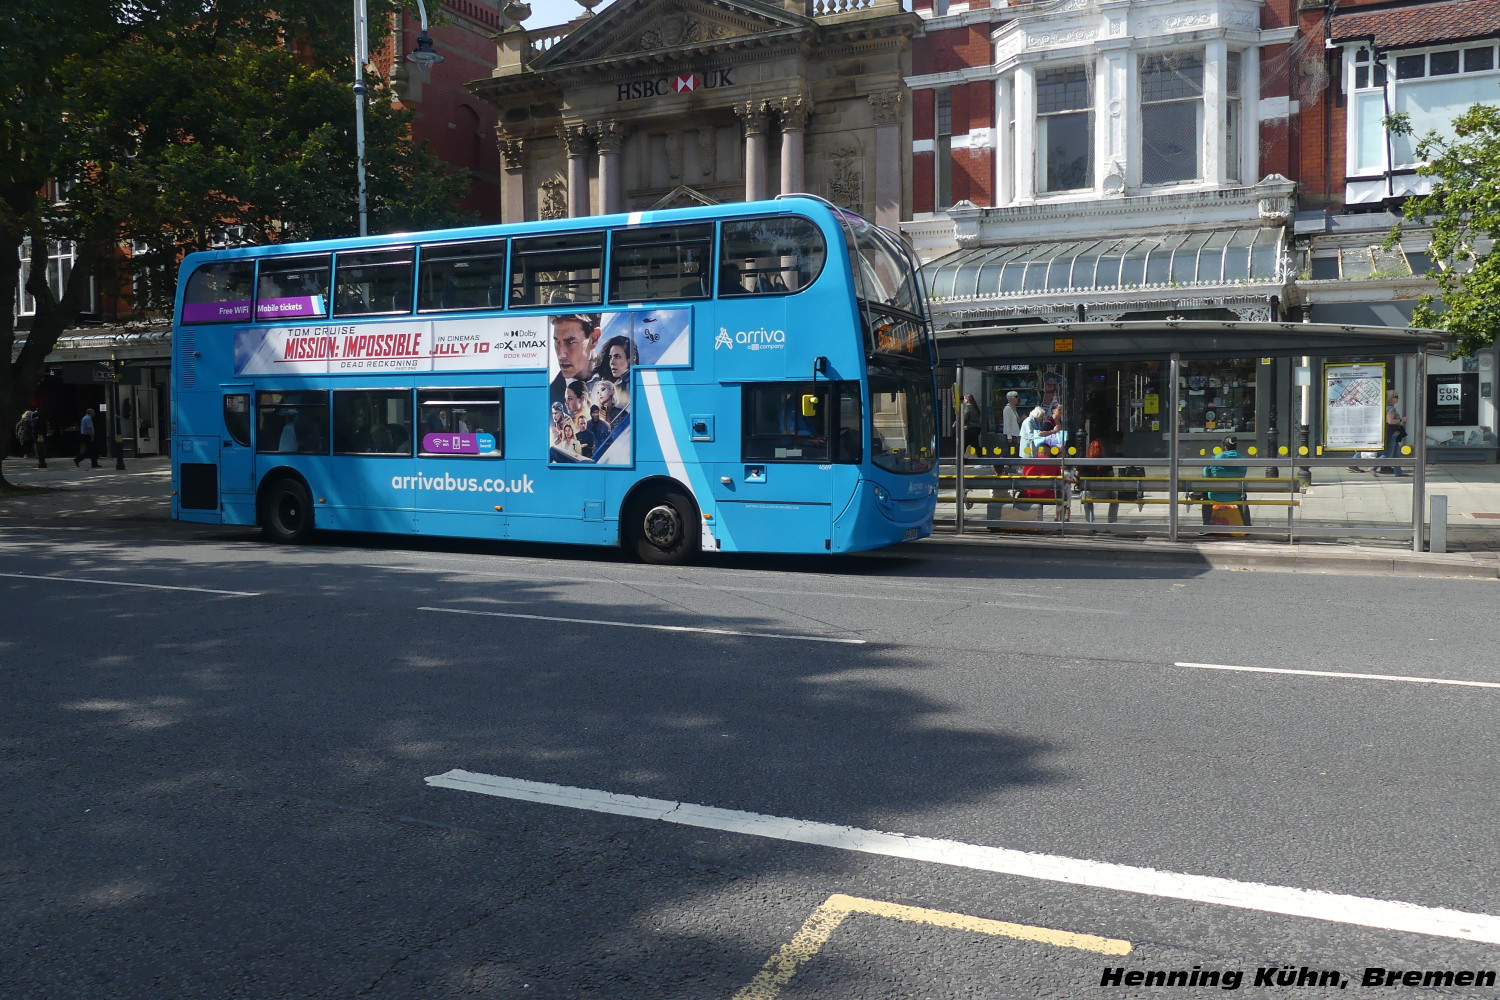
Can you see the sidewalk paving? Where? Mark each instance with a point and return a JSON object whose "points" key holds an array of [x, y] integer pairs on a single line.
{"points": [[63, 494]]}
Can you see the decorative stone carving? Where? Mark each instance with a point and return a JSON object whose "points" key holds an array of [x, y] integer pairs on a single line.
{"points": [[552, 199], [754, 114], [679, 29], [794, 113], [887, 107], [674, 157], [609, 136], [576, 138], [1114, 178], [845, 180], [708, 149], [511, 148]]}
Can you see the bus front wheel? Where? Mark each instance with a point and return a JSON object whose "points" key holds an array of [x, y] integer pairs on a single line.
{"points": [[663, 528], [286, 513]]}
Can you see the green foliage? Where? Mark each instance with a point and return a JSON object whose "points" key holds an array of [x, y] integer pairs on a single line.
{"points": [[169, 121], [1464, 213]]}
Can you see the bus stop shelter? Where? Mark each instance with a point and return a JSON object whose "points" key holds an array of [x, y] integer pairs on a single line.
{"points": [[1174, 341]]}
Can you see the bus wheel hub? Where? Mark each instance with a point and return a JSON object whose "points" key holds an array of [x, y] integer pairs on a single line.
{"points": [[663, 526]]}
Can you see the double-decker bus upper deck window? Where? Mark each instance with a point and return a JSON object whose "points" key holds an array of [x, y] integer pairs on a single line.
{"points": [[462, 276], [372, 422], [293, 287], [774, 256], [660, 263], [219, 293], [373, 282], [292, 423], [568, 268]]}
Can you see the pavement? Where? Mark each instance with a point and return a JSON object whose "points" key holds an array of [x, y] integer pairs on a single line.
{"points": [[63, 494]]}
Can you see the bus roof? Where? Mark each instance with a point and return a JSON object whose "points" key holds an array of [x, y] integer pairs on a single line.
{"points": [[808, 205]]}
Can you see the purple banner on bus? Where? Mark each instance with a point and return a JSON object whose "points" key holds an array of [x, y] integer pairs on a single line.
{"points": [[215, 312], [298, 305], [450, 444]]}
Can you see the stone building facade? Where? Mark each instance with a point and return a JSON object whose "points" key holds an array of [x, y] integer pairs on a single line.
{"points": [[660, 103]]}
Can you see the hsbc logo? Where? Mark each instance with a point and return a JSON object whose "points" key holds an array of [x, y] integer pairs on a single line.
{"points": [[674, 83]]}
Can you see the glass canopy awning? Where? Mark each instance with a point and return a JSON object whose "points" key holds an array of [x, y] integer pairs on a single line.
{"points": [[1171, 260]]}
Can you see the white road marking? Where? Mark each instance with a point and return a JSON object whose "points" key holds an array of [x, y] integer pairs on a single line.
{"points": [[122, 583], [658, 628], [1336, 673], [1361, 911]]}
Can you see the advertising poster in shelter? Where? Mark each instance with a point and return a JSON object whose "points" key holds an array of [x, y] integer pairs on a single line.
{"points": [[1354, 408]]}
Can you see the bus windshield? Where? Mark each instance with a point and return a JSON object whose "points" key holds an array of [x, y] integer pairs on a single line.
{"points": [[886, 284], [903, 422]]}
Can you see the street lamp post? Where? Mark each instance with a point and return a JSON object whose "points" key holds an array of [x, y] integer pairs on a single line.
{"points": [[423, 55], [114, 382]]}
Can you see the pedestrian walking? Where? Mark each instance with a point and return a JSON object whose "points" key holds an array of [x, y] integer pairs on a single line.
{"points": [[88, 441], [1395, 433], [40, 431], [971, 419], [1092, 491], [1011, 422]]}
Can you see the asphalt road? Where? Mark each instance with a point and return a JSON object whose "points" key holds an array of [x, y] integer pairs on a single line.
{"points": [[222, 790]]}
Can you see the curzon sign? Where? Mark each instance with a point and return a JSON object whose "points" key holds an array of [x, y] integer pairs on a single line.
{"points": [[673, 83]]}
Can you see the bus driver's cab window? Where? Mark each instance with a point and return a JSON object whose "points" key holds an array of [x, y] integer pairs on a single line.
{"points": [[802, 422]]}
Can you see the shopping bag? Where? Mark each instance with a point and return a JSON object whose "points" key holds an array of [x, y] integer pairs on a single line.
{"points": [[1227, 514]]}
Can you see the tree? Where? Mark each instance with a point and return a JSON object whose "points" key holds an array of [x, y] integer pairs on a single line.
{"points": [[1464, 213], [160, 125]]}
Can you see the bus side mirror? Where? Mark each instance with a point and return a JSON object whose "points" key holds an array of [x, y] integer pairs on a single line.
{"points": [[809, 406]]}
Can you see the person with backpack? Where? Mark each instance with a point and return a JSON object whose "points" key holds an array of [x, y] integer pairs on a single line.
{"points": [[36, 435]]}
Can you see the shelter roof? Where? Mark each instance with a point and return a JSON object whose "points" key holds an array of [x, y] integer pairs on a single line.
{"points": [[1158, 340]]}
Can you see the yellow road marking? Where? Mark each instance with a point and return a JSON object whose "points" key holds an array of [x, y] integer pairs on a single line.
{"points": [[814, 934]]}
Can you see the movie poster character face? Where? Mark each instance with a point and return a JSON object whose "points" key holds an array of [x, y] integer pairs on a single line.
{"points": [[589, 402]]}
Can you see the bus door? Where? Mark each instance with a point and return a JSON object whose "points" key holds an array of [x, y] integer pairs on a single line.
{"points": [[779, 497], [236, 457]]}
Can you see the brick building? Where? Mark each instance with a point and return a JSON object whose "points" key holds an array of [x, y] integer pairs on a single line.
{"points": [[1431, 61]]}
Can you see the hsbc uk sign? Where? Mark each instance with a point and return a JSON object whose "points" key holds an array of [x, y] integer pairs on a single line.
{"points": [[674, 83]]}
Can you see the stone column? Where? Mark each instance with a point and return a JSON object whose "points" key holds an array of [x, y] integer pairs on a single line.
{"points": [[512, 180], [1025, 155], [887, 113], [576, 138], [609, 136], [754, 114], [1250, 170], [1005, 148], [1211, 168], [794, 113]]}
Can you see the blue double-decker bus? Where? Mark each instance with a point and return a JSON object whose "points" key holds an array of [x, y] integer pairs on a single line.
{"points": [[753, 377]]}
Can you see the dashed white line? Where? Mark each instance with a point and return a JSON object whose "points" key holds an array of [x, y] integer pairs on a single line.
{"points": [[1382, 914], [659, 628], [1342, 674], [124, 583]]}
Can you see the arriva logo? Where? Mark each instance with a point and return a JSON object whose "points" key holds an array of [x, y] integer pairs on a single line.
{"points": [[723, 340]]}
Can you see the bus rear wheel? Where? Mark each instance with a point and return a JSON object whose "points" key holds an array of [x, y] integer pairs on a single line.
{"points": [[663, 528], [286, 512]]}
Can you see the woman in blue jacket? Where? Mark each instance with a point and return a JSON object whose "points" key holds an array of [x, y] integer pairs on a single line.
{"points": [[1230, 448]]}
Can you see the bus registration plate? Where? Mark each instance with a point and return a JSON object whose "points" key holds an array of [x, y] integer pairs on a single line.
{"points": [[910, 534]]}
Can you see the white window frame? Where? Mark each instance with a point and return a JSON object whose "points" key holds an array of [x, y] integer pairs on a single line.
{"points": [[1357, 97], [1141, 104]]}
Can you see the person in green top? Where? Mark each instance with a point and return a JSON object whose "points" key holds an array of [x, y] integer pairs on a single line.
{"points": [[1230, 449]]}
